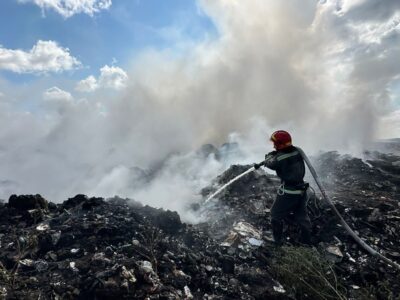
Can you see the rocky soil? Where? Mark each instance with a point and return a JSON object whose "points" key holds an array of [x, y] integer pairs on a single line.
{"points": [[91, 248]]}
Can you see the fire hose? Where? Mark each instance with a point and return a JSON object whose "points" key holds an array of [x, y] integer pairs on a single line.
{"points": [[364, 245]]}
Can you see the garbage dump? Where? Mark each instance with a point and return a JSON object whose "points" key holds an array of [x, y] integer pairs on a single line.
{"points": [[95, 248]]}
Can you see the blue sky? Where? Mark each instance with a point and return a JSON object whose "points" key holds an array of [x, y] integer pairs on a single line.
{"points": [[110, 36]]}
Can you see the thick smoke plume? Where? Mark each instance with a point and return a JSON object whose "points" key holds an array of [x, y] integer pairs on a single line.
{"points": [[323, 70]]}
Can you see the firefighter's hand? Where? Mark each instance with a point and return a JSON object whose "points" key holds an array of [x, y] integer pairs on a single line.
{"points": [[257, 166], [272, 153], [270, 160]]}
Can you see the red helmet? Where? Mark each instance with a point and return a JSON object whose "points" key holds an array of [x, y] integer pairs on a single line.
{"points": [[281, 139]]}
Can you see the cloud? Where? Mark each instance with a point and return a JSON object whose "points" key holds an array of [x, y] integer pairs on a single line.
{"points": [[44, 57], [110, 77], [113, 77], [68, 8], [56, 94], [87, 85]]}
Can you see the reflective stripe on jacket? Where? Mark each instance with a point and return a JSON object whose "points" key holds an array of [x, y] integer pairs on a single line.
{"points": [[289, 166]]}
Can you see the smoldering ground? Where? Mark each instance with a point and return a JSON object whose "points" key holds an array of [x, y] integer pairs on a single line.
{"points": [[323, 70]]}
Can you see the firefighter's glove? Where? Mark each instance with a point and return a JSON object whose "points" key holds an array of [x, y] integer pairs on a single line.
{"points": [[257, 166], [269, 155]]}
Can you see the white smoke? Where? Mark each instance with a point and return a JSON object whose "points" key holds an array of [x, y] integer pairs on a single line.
{"points": [[320, 70]]}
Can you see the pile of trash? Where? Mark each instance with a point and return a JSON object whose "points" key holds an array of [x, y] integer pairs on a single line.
{"points": [[90, 248], [367, 194], [95, 248]]}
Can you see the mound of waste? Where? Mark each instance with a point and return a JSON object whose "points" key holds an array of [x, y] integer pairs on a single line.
{"points": [[89, 248], [92, 248]]}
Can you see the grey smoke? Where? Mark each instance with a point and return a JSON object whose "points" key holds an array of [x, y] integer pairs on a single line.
{"points": [[321, 70]]}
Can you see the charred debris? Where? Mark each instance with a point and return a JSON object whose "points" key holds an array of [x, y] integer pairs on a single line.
{"points": [[92, 248]]}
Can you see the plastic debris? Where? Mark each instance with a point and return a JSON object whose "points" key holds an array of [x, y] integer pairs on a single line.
{"points": [[255, 242], [279, 289], [246, 229], [334, 253], [146, 266], [128, 274], [188, 294], [27, 262], [73, 267], [243, 233], [42, 227]]}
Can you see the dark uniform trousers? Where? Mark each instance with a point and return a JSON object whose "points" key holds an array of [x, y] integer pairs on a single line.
{"points": [[290, 206]]}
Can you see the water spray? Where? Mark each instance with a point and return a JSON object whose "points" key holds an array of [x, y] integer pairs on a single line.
{"points": [[364, 245], [229, 183]]}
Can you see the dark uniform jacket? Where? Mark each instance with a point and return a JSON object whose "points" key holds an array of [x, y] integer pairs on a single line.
{"points": [[289, 166]]}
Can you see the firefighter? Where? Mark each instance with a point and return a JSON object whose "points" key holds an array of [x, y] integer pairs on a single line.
{"points": [[291, 199]]}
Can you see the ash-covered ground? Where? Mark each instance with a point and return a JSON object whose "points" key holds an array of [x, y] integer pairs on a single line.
{"points": [[91, 248]]}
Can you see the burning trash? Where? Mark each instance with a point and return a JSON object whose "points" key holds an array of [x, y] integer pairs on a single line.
{"points": [[93, 248]]}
